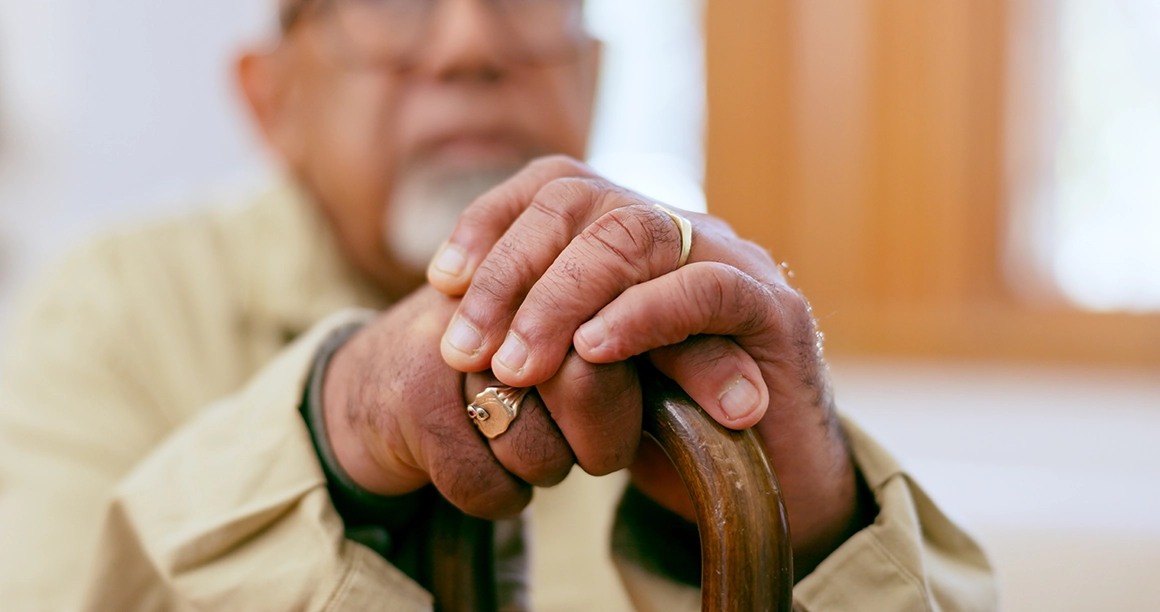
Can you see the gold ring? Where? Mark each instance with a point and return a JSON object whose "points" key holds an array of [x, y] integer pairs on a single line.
{"points": [[685, 228], [495, 408]]}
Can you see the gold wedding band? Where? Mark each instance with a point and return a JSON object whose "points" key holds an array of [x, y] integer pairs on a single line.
{"points": [[495, 408], [685, 228]]}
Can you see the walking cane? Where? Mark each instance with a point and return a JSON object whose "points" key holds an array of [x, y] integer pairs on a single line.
{"points": [[746, 559]]}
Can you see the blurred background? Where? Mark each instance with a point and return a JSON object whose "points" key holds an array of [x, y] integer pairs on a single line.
{"points": [[967, 190]]}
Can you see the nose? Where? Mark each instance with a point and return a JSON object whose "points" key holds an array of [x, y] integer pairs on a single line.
{"points": [[463, 42]]}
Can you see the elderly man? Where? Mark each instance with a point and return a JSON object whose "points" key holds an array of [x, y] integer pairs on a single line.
{"points": [[194, 415]]}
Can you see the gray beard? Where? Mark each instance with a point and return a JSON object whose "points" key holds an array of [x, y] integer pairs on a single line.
{"points": [[426, 204]]}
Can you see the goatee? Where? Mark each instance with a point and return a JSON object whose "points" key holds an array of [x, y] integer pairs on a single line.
{"points": [[426, 204]]}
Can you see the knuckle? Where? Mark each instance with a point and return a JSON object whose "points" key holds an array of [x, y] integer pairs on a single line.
{"points": [[491, 284], [556, 164], [663, 234], [551, 297], [750, 303], [609, 386], [796, 310], [560, 201], [566, 196], [660, 227], [501, 273], [569, 266], [467, 481], [494, 497], [538, 447], [549, 474], [754, 304], [803, 349], [615, 457], [540, 463], [471, 480], [601, 413], [705, 354], [585, 379], [803, 326], [709, 291], [610, 235], [728, 295], [616, 449], [631, 234], [466, 473]]}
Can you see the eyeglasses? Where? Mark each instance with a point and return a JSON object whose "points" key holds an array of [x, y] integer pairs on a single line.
{"points": [[393, 31]]}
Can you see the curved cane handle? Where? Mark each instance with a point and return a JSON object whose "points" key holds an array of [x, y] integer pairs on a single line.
{"points": [[746, 559]]}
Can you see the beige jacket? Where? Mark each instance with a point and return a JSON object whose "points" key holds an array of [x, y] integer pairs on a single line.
{"points": [[152, 456]]}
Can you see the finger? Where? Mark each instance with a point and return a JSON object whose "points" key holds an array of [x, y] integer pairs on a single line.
{"points": [[719, 375], [629, 244], [772, 323], [483, 222], [700, 298], [532, 448], [464, 469], [559, 212], [598, 410]]}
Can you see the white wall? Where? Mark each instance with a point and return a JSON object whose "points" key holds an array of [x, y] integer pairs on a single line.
{"points": [[110, 111], [1055, 470]]}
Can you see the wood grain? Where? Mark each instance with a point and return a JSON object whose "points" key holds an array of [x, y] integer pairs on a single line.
{"points": [[746, 558]]}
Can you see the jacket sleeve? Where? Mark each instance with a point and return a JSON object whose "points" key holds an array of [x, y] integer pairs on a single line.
{"points": [[109, 503], [912, 558], [231, 512]]}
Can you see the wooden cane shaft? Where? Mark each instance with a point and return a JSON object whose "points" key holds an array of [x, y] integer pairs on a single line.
{"points": [[746, 559]]}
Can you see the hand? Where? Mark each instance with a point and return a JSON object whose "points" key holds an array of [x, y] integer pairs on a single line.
{"points": [[396, 416], [557, 262]]}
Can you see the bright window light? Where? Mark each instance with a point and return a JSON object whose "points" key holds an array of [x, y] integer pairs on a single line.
{"points": [[650, 117], [1099, 210]]}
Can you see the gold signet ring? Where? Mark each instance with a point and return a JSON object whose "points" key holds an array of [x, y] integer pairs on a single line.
{"points": [[495, 408]]}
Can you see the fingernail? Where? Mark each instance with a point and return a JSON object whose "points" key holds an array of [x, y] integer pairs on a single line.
{"points": [[593, 332], [463, 337], [739, 399], [513, 354], [451, 260]]}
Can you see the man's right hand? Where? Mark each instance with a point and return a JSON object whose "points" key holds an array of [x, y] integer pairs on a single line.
{"points": [[396, 416]]}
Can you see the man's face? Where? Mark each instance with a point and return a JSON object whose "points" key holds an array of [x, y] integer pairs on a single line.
{"points": [[393, 150]]}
